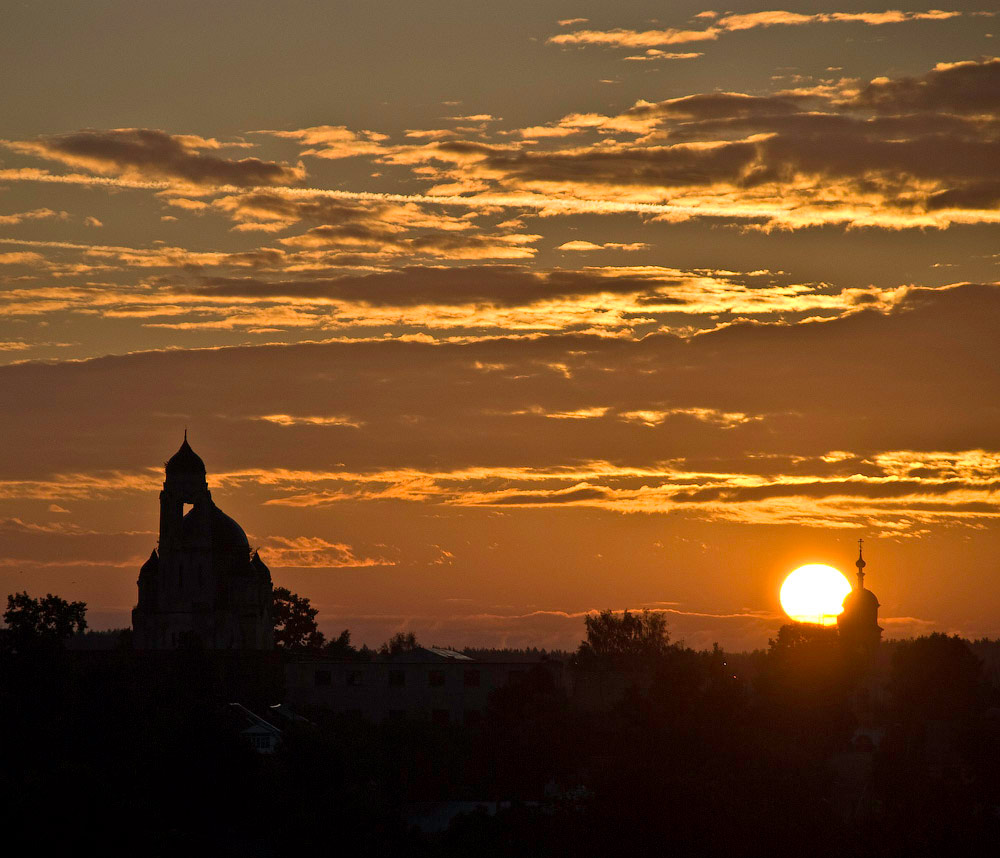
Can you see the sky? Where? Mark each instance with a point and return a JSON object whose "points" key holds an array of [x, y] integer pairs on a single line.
{"points": [[487, 315]]}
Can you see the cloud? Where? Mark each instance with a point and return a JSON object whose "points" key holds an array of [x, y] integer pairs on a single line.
{"points": [[34, 214], [144, 153], [775, 159], [624, 38], [970, 88], [574, 494], [292, 420], [911, 152], [21, 258], [313, 552], [648, 289], [608, 245], [654, 55], [334, 141], [660, 424]]}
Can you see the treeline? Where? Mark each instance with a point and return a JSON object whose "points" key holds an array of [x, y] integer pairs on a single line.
{"points": [[677, 752]]}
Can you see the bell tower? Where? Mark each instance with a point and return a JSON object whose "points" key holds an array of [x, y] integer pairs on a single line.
{"points": [[185, 483], [858, 622]]}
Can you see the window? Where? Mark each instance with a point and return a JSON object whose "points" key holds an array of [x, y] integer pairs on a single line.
{"points": [[473, 718], [435, 678], [323, 677], [441, 716], [397, 678], [355, 678], [471, 679], [261, 742]]}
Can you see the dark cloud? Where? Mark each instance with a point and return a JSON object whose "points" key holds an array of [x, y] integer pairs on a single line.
{"points": [[894, 157], [152, 154], [717, 105], [498, 285], [834, 488], [975, 195], [966, 87], [653, 166], [918, 377]]}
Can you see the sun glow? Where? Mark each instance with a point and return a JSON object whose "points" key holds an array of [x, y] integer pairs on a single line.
{"points": [[814, 594]]}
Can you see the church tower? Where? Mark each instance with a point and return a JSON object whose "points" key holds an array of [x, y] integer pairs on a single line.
{"points": [[201, 582], [858, 623]]}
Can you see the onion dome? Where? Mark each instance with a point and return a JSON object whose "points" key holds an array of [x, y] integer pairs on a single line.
{"points": [[861, 598], [185, 462]]}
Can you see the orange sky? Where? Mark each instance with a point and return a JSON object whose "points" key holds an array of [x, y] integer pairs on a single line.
{"points": [[483, 320]]}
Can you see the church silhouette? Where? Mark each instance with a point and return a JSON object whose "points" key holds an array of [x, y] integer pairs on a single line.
{"points": [[201, 585], [858, 622]]}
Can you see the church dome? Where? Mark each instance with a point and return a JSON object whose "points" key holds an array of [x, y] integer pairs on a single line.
{"points": [[862, 598], [225, 533], [185, 462]]}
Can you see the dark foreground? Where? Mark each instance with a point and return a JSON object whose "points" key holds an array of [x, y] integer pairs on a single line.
{"points": [[119, 753]]}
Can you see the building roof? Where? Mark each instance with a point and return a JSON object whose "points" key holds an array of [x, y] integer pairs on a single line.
{"points": [[227, 535], [425, 654], [185, 461], [256, 723]]}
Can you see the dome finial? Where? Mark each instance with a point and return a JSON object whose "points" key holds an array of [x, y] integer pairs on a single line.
{"points": [[860, 563]]}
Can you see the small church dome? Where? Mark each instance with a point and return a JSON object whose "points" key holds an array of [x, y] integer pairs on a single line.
{"points": [[185, 461], [861, 599]]}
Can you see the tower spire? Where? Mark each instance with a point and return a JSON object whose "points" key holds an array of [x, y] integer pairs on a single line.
{"points": [[860, 563]]}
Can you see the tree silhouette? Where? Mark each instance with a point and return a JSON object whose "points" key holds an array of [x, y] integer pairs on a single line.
{"points": [[295, 622], [614, 637], [399, 642], [340, 646], [49, 619], [806, 682], [936, 676]]}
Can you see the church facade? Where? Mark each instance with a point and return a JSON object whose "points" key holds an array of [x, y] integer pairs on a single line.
{"points": [[201, 584]]}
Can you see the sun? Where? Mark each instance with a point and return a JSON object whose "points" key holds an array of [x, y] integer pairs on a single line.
{"points": [[814, 594]]}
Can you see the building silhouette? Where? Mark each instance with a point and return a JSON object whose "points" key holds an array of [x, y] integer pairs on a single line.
{"points": [[201, 585], [858, 622]]}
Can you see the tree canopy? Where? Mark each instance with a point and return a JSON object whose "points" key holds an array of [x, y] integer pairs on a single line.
{"points": [[48, 619], [399, 642], [295, 622], [936, 676], [613, 636]]}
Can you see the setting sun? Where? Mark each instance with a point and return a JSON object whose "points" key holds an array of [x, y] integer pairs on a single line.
{"points": [[814, 594]]}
